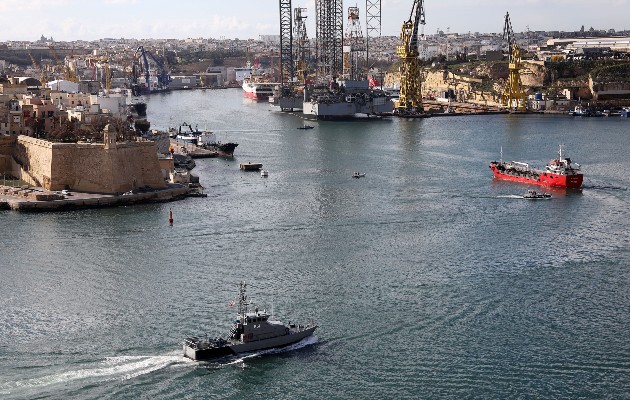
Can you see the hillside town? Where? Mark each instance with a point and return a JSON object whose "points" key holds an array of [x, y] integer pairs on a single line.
{"points": [[46, 81], [89, 93]]}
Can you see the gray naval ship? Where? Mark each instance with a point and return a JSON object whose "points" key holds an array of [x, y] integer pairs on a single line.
{"points": [[252, 331]]}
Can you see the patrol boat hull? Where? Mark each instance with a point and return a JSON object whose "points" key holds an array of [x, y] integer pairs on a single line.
{"points": [[205, 351], [251, 331]]}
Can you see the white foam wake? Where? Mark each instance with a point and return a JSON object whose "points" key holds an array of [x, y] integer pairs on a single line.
{"points": [[112, 368]]}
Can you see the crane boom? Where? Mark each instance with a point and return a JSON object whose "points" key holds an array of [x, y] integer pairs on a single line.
{"points": [[513, 95], [508, 34], [42, 78], [162, 75], [146, 65], [410, 100], [418, 8]]}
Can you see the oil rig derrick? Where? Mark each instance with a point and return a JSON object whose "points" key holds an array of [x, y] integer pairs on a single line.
{"points": [[410, 100], [372, 26], [513, 96], [354, 47], [287, 70], [329, 32]]}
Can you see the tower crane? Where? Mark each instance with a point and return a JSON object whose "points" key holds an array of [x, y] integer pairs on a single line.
{"points": [[513, 95], [410, 101]]}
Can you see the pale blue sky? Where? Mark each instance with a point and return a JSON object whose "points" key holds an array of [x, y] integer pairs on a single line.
{"points": [[243, 19]]}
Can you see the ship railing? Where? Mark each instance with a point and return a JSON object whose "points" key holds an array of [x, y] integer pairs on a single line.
{"points": [[192, 342]]}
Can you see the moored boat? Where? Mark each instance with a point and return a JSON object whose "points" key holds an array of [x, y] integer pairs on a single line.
{"points": [[205, 139], [559, 172], [256, 90], [252, 331]]}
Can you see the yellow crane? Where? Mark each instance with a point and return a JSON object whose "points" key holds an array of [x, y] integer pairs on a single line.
{"points": [[71, 69], [55, 57], [513, 95], [410, 100], [42, 76]]}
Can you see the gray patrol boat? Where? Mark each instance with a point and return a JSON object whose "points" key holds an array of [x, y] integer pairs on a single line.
{"points": [[252, 331]]}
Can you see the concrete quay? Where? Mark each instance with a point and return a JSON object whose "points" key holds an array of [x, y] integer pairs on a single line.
{"points": [[40, 200]]}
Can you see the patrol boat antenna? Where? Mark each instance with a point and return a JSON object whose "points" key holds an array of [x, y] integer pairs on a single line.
{"points": [[242, 302]]}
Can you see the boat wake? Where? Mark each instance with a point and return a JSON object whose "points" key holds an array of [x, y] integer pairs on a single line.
{"points": [[110, 369], [307, 341], [509, 196], [604, 187]]}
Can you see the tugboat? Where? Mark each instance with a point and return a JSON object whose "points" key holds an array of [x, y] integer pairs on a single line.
{"points": [[560, 172], [252, 331], [533, 195]]}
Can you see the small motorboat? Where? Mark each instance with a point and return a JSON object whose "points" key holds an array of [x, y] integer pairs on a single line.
{"points": [[533, 195], [306, 127], [264, 173], [358, 175]]}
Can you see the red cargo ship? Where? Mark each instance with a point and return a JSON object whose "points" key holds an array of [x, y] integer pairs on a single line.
{"points": [[560, 172]]}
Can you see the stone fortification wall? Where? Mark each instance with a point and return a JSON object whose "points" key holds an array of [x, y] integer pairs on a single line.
{"points": [[90, 167], [7, 145], [5, 164], [34, 159]]}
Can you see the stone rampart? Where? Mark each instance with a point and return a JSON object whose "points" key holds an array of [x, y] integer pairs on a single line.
{"points": [[7, 145], [87, 167]]}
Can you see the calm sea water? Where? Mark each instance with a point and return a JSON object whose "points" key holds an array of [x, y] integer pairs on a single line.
{"points": [[428, 278]]}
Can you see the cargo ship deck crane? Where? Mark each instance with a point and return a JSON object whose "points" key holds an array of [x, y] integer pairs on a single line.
{"points": [[410, 100], [513, 95]]}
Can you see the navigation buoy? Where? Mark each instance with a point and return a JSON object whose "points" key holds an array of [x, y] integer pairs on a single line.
{"points": [[170, 216]]}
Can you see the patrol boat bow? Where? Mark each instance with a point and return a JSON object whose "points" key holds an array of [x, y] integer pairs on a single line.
{"points": [[252, 331]]}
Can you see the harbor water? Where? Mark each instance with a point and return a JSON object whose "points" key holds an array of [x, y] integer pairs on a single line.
{"points": [[428, 278]]}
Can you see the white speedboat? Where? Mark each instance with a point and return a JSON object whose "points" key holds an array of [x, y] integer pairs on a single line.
{"points": [[533, 195]]}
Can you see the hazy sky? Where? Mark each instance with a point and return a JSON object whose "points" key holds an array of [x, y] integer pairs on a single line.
{"points": [[243, 19]]}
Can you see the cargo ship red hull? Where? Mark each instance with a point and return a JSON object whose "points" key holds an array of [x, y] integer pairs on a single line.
{"points": [[560, 172], [542, 179]]}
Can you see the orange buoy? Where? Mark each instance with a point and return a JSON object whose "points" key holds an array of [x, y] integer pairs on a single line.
{"points": [[170, 216]]}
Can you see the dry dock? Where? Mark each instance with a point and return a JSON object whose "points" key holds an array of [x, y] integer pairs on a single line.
{"points": [[38, 199]]}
